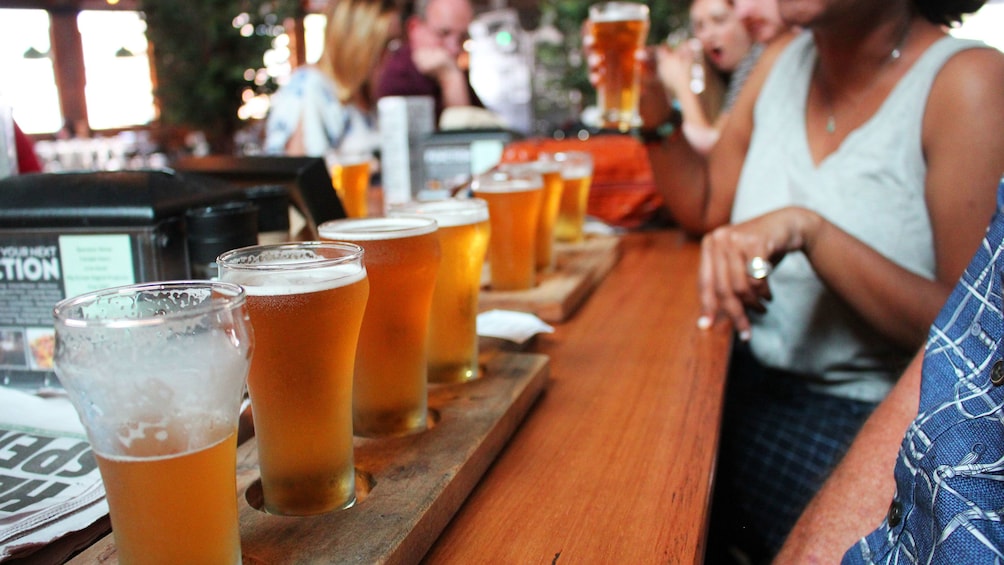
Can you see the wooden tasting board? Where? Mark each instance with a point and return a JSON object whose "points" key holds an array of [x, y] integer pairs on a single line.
{"points": [[579, 268], [409, 487]]}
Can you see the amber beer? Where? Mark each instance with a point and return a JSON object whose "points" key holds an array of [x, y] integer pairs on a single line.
{"points": [[463, 240], [577, 175], [156, 372], [550, 172], [174, 508], [618, 30], [514, 200], [390, 391], [307, 302], [350, 176]]}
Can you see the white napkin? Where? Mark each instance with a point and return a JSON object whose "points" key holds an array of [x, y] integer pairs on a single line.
{"points": [[517, 327]]}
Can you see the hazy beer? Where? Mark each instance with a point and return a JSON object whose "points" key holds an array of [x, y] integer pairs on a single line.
{"points": [[514, 200], [175, 508], [463, 240], [390, 391], [550, 202], [577, 175], [618, 31], [350, 176], [156, 372], [307, 302]]}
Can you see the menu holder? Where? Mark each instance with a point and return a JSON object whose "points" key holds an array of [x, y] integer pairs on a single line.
{"points": [[408, 487], [579, 268]]}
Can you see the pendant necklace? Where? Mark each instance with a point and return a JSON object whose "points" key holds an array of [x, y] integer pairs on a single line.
{"points": [[894, 55]]}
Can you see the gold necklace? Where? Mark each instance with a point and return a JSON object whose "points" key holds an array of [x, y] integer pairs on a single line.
{"points": [[894, 55]]}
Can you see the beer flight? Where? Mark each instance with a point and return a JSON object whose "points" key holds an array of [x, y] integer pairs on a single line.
{"points": [[332, 339]]}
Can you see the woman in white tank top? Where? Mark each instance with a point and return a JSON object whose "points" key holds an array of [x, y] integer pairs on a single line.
{"points": [[860, 162]]}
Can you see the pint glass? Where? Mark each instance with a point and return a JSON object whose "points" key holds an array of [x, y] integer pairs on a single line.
{"points": [[350, 176], [463, 239], [577, 174], [618, 30], [307, 302], [514, 200], [156, 372], [550, 172], [390, 391]]}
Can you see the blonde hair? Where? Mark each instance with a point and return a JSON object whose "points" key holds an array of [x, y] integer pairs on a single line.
{"points": [[356, 35]]}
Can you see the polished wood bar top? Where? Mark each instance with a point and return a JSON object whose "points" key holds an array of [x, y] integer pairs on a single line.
{"points": [[614, 464]]}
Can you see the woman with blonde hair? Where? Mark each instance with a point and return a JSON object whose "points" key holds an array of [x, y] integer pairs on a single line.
{"points": [[329, 105]]}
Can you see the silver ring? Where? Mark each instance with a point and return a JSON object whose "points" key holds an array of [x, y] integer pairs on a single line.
{"points": [[759, 268]]}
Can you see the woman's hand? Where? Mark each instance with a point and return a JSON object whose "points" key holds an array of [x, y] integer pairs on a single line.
{"points": [[725, 284], [673, 67]]}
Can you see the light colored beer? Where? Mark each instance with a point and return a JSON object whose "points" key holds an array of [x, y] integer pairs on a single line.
{"points": [[174, 508], [514, 201], [306, 302], [463, 240], [619, 30], [351, 180], [156, 372], [577, 175], [390, 391], [549, 206]]}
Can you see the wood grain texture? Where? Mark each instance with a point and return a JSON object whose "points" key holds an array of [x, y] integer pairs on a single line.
{"points": [[410, 486], [614, 464], [579, 268]]}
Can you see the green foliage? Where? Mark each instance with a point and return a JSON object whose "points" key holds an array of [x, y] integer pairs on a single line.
{"points": [[567, 16], [204, 53]]}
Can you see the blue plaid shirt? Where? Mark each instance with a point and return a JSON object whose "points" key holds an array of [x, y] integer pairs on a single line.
{"points": [[950, 469]]}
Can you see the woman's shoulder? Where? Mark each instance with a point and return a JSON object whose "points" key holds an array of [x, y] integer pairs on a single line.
{"points": [[966, 68], [309, 75]]}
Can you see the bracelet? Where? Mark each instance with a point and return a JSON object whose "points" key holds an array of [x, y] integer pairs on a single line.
{"points": [[663, 131]]}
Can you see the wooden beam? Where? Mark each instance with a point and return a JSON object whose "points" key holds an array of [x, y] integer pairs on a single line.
{"points": [[67, 60]]}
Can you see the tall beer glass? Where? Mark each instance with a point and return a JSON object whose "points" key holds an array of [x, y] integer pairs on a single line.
{"points": [[618, 31], [390, 392], [577, 174], [514, 200], [350, 176], [307, 302], [463, 239], [550, 171], [156, 372]]}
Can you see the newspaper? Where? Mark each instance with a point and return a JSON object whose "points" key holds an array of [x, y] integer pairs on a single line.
{"points": [[49, 480]]}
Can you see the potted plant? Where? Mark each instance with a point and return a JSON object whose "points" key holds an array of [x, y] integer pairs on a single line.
{"points": [[206, 55]]}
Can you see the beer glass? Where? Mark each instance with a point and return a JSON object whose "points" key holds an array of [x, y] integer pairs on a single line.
{"points": [[577, 174], [156, 372], [618, 31], [390, 391], [514, 200], [306, 301], [350, 176], [550, 172], [463, 241]]}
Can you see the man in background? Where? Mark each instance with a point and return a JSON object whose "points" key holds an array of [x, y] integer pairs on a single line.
{"points": [[431, 61]]}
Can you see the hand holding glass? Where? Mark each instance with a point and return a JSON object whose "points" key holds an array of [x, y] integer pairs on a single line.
{"points": [[618, 30]]}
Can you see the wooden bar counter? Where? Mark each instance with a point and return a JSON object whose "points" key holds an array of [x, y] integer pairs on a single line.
{"points": [[614, 464]]}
